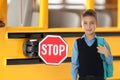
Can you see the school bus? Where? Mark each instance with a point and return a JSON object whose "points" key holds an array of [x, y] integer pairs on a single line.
{"points": [[21, 28]]}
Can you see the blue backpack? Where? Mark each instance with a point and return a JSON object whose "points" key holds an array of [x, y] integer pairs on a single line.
{"points": [[108, 68]]}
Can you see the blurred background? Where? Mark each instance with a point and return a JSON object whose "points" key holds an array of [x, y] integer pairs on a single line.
{"points": [[62, 13]]}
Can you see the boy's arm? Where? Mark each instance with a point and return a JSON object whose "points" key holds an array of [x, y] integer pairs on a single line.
{"points": [[108, 59], [106, 51], [75, 62]]}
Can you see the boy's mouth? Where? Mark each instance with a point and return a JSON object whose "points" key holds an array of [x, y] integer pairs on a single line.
{"points": [[89, 30]]}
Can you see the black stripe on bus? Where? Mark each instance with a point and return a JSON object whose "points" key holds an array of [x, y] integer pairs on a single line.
{"points": [[62, 34], [39, 61]]}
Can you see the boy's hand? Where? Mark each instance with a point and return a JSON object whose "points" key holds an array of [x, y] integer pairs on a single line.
{"points": [[103, 50]]}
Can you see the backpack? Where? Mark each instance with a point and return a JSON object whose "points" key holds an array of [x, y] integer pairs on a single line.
{"points": [[108, 68]]}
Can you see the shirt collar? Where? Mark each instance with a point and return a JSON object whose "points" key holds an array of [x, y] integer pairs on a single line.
{"points": [[86, 37]]}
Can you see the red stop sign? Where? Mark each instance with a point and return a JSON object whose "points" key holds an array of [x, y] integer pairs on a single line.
{"points": [[53, 49]]}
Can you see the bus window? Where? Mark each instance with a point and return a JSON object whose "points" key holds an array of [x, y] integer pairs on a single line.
{"points": [[65, 13], [107, 12], [61, 12], [23, 13]]}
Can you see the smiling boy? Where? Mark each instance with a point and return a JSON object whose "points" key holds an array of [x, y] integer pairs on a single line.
{"points": [[86, 60]]}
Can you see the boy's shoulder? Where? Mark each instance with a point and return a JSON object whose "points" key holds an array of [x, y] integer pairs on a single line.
{"points": [[79, 39]]}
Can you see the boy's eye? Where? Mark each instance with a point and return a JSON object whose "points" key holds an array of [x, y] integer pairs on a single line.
{"points": [[92, 23], [85, 22]]}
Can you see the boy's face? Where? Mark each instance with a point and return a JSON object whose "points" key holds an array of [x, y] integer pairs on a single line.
{"points": [[89, 24]]}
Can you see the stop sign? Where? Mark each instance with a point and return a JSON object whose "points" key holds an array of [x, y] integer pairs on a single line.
{"points": [[53, 49]]}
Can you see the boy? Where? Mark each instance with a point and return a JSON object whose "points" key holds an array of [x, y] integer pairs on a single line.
{"points": [[86, 60]]}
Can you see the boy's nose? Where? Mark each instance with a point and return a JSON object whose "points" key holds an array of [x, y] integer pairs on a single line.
{"points": [[88, 25]]}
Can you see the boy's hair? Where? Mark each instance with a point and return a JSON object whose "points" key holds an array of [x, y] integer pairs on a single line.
{"points": [[89, 12]]}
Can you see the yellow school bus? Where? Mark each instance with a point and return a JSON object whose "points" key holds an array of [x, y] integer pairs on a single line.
{"points": [[17, 64]]}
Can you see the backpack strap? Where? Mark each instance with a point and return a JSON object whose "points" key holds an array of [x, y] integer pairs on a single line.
{"points": [[100, 41]]}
